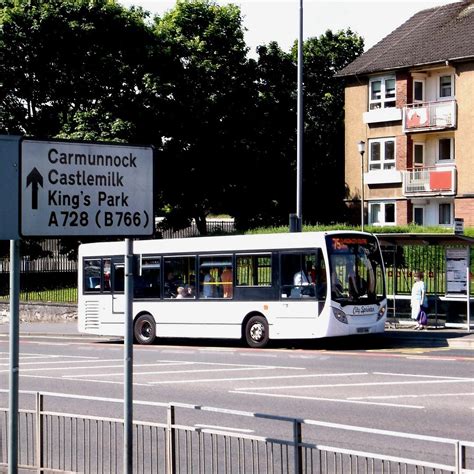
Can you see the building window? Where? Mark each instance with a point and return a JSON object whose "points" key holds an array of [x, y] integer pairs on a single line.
{"points": [[445, 149], [382, 213], [382, 154], [418, 91], [418, 155], [418, 215], [446, 86], [382, 93], [445, 214]]}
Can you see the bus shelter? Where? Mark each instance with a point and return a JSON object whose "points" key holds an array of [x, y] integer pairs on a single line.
{"points": [[447, 261]]}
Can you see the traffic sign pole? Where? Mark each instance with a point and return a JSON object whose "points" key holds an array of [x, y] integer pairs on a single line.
{"points": [[14, 355], [128, 361]]}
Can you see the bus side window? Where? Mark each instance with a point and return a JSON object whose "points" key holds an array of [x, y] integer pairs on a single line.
{"points": [[216, 277], [298, 275], [179, 273], [151, 278], [92, 275], [119, 277], [254, 270]]}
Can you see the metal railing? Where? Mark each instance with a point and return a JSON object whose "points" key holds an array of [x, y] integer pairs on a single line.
{"points": [[429, 115], [57, 441], [434, 179]]}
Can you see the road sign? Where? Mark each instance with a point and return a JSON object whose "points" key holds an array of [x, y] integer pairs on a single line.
{"points": [[9, 173], [458, 226], [85, 189]]}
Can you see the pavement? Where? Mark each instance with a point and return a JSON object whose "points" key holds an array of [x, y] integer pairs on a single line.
{"points": [[396, 335]]}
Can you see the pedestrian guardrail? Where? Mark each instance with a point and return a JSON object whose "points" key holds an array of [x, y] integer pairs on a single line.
{"points": [[55, 440]]}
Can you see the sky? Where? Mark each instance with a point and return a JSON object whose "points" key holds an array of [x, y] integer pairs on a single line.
{"points": [[278, 20]]}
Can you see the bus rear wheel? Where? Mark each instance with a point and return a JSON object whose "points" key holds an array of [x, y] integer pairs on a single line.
{"points": [[256, 332], [144, 329]]}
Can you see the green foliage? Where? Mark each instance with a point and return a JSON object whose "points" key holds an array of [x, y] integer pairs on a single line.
{"points": [[205, 108], [408, 229], [70, 67]]}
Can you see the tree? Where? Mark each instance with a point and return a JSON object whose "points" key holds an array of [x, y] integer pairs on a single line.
{"points": [[266, 185], [323, 163], [73, 69], [208, 92]]}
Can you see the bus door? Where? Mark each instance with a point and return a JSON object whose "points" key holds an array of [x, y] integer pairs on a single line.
{"points": [[118, 285], [302, 289]]}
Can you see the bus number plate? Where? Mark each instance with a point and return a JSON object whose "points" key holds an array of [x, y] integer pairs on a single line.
{"points": [[362, 330]]}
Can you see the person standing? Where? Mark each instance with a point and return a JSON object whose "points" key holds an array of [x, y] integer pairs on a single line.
{"points": [[226, 278], [418, 301], [208, 290]]}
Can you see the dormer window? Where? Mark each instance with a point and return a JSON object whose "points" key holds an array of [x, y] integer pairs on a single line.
{"points": [[382, 92]]}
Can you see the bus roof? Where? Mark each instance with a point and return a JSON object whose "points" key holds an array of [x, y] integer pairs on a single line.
{"points": [[252, 242]]}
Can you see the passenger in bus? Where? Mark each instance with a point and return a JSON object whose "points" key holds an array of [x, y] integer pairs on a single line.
{"points": [[218, 287], [321, 284], [226, 279], [337, 287], [170, 286], [181, 292], [303, 285], [208, 285]]}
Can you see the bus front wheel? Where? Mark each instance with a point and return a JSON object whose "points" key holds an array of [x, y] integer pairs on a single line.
{"points": [[144, 329], [256, 332]]}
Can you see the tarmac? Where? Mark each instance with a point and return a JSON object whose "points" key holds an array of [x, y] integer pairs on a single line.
{"points": [[397, 334]]}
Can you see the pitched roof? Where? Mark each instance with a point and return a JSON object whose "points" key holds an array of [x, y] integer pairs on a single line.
{"points": [[430, 36]]}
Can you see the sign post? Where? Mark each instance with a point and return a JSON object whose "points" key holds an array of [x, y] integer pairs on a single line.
{"points": [[88, 189], [14, 355], [9, 230]]}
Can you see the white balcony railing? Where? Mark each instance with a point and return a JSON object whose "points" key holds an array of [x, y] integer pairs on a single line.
{"points": [[424, 116], [431, 180]]}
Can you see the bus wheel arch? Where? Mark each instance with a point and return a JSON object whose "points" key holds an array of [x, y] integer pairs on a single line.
{"points": [[255, 330], [144, 328]]}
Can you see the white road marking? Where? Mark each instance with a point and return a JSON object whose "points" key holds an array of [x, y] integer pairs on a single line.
{"points": [[423, 395], [239, 379], [45, 362], [118, 366], [82, 380], [361, 384], [24, 356], [419, 375], [258, 354], [343, 400], [429, 358], [166, 372]]}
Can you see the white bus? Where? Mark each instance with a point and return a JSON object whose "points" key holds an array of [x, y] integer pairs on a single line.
{"points": [[254, 287]]}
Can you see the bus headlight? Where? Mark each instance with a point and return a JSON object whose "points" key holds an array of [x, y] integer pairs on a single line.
{"points": [[340, 315], [382, 311]]}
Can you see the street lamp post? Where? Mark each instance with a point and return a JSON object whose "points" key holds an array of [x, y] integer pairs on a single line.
{"points": [[361, 148], [296, 220]]}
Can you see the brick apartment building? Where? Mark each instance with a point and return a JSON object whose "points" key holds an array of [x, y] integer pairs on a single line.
{"points": [[410, 98]]}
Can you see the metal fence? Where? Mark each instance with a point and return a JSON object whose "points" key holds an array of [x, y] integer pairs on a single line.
{"points": [[59, 441]]}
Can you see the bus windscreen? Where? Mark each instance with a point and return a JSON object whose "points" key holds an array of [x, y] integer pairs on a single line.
{"points": [[356, 269]]}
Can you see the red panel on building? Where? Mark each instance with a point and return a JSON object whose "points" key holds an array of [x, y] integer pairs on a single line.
{"points": [[417, 117], [440, 180]]}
